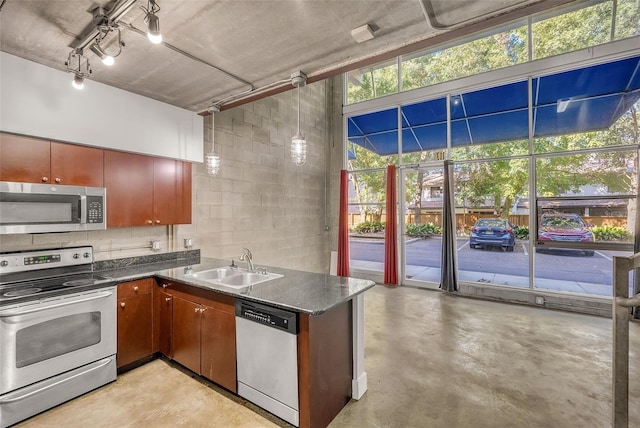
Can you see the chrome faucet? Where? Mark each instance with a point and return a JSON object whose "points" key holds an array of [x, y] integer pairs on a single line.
{"points": [[247, 257]]}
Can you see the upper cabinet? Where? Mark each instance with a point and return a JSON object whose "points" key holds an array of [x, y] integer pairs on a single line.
{"points": [[143, 190], [33, 160]]}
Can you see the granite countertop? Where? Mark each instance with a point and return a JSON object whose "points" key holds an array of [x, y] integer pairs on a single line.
{"points": [[305, 292]]}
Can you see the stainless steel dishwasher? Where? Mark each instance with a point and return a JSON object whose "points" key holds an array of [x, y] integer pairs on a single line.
{"points": [[267, 356]]}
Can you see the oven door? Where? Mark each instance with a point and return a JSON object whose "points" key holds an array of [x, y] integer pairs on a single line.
{"points": [[46, 338]]}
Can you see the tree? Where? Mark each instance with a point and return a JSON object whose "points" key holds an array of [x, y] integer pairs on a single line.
{"points": [[502, 182]]}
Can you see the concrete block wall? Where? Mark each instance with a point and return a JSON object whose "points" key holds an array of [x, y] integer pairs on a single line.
{"points": [[260, 199]]}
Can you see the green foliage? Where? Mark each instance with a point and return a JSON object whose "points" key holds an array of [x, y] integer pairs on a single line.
{"points": [[369, 227], [521, 232], [611, 233], [416, 230]]}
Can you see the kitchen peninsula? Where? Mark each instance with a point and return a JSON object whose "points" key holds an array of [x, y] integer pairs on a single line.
{"points": [[193, 321]]}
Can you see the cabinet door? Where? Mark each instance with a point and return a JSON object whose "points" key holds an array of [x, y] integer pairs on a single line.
{"points": [[219, 347], [24, 159], [77, 165], [134, 329], [163, 322], [186, 333], [171, 191], [129, 181]]}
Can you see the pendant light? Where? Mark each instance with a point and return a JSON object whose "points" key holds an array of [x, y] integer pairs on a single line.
{"points": [[212, 159], [298, 142]]}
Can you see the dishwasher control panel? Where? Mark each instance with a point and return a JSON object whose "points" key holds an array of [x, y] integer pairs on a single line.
{"points": [[267, 315]]}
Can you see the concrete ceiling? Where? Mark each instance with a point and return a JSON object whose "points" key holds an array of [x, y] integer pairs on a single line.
{"points": [[218, 49]]}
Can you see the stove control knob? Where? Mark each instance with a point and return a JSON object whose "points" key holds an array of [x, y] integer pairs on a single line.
{"points": [[86, 255], [4, 263], [76, 256]]}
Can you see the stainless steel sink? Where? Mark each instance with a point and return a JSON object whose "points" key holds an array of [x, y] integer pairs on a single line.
{"points": [[232, 278], [212, 274]]}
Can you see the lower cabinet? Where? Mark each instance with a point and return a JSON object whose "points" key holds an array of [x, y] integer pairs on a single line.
{"points": [[197, 329], [163, 322], [135, 321]]}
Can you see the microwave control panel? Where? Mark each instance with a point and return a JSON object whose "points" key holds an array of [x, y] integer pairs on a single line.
{"points": [[95, 209]]}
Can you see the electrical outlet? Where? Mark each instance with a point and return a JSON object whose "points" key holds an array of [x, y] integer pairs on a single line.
{"points": [[188, 242], [539, 300], [155, 245]]}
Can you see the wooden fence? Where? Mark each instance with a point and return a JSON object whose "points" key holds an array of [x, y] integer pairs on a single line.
{"points": [[465, 222]]}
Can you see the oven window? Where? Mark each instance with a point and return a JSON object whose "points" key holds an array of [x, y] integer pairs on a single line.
{"points": [[57, 337]]}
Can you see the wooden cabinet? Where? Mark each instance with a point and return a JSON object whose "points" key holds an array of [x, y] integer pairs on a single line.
{"points": [[162, 322], [186, 333], [218, 347], [135, 321], [128, 178], [143, 190], [33, 160], [77, 165], [203, 333]]}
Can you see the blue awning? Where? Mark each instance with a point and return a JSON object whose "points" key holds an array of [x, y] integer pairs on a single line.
{"points": [[586, 99]]}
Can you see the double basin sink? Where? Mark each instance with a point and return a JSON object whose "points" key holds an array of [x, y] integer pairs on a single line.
{"points": [[234, 278]]}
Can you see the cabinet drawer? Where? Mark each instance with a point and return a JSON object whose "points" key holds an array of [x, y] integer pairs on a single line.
{"points": [[135, 288], [211, 298]]}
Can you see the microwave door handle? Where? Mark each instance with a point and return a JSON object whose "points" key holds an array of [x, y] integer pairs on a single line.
{"points": [[83, 209], [12, 313]]}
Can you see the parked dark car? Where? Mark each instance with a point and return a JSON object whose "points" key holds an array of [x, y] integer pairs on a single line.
{"points": [[492, 232], [564, 228]]}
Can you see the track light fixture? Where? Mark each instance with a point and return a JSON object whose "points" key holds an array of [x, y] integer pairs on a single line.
{"points": [[298, 142], [104, 26], [152, 21], [104, 57], [79, 74]]}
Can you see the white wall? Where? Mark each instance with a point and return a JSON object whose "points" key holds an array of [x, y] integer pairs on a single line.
{"points": [[39, 101]]}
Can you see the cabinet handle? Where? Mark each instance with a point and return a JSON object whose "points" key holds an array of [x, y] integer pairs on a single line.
{"points": [[135, 288], [167, 299], [202, 310], [157, 221], [122, 304], [196, 310], [45, 179], [164, 285], [149, 222], [58, 179]]}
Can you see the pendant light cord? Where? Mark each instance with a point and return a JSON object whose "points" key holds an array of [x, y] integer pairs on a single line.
{"points": [[298, 109]]}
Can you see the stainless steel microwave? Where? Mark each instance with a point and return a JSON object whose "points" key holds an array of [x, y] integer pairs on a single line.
{"points": [[42, 208]]}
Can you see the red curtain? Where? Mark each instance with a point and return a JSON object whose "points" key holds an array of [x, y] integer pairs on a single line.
{"points": [[343, 226], [391, 230]]}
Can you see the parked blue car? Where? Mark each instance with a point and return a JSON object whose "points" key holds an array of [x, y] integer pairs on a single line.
{"points": [[493, 232]]}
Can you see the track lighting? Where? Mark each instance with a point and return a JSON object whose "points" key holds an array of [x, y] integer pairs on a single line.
{"points": [[298, 142], [104, 57], [78, 73], [153, 22]]}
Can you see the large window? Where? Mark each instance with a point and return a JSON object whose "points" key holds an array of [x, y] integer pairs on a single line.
{"points": [[545, 179], [555, 32]]}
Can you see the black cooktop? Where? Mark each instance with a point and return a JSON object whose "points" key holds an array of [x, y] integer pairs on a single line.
{"points": [[52, 286]]}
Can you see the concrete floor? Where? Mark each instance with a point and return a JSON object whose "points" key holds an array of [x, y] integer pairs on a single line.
{"points": [[433, 360]]}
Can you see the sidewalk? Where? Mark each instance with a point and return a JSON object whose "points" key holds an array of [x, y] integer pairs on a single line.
{"points": [[430, 274]]}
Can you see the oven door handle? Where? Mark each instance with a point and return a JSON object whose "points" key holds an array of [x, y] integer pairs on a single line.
{"points": [[11, 313], [99, 365]]}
